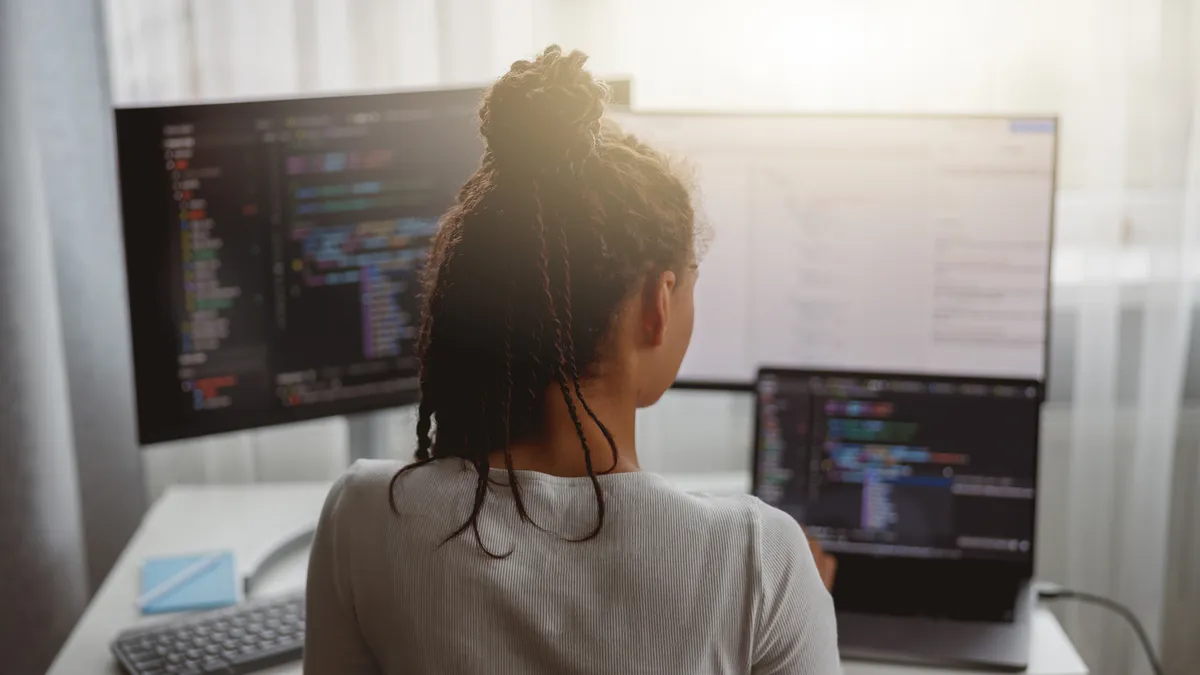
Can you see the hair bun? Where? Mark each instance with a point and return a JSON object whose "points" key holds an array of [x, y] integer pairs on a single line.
{"points": [[545, 113]]}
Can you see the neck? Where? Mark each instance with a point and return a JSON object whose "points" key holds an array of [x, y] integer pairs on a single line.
{"points": [[559, 452]]}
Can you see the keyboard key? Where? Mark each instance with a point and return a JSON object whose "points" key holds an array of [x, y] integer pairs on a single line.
{"points": [[278, 655]]}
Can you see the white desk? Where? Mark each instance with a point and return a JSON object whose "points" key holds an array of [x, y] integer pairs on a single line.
{"points": [[250, 519]]}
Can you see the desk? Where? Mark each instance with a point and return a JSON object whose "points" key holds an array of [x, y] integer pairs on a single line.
{"points": [[249, 519]]}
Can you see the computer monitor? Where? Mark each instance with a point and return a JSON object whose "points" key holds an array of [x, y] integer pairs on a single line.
{"points": [[937, 471], [273, 249], [915, 244]]}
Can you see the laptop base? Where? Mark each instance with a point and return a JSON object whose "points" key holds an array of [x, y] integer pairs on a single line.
{"points": [[940, 642]]}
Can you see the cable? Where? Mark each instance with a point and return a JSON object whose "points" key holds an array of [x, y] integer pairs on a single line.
{"points": [[1047, 591], [297, 541]]}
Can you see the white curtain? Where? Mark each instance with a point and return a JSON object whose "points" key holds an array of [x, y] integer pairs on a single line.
{"points": [[201, 50], [1119, 471]]}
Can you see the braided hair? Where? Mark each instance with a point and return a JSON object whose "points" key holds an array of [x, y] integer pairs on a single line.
{"points": [[566, 217]]}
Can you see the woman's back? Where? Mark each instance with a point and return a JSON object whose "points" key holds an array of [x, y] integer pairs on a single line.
{"points": [[557, 300], [673, 583]]}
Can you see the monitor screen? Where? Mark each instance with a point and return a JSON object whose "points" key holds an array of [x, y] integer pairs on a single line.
{"points": [[882, 243], [902, 466], [272, 250]]}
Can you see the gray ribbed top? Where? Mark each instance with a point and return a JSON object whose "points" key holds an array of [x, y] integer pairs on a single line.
{"points": [[674, 583]]}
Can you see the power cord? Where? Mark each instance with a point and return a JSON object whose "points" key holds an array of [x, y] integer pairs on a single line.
{"points": [[1049, 591]]}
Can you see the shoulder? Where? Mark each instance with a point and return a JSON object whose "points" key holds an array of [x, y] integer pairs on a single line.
{"points": [[370, 488], [779, 532], [740, 511], [786, 563], [795, 627], [364, 480], [784, 551], [772, 527], [766, 531]]}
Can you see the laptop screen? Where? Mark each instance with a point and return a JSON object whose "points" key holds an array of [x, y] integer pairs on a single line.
{"points": [[901, 466]]}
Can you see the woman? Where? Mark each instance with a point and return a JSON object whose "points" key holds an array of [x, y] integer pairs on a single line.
{"points": [[558, 301]]}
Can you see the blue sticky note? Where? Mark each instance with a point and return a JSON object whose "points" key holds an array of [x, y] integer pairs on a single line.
{"points": [[191, 582]]}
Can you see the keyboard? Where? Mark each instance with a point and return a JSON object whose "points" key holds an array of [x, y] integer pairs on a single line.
{"points": [[245, 638]]}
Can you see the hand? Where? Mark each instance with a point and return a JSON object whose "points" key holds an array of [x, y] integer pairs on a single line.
{"points": [[826, 564]]}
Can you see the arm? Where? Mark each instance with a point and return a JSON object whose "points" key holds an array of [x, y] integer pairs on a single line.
{"points": [[333, 643], [796, 631]]}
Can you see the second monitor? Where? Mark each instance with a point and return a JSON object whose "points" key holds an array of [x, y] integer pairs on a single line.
{"points": [[915, 244]]}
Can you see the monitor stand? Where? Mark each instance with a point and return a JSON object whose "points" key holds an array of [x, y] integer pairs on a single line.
{"points": [[383, 434], [369, 437]]}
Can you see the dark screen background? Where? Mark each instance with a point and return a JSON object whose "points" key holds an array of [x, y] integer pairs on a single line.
{"points": [[948, 498], [287, 315]]}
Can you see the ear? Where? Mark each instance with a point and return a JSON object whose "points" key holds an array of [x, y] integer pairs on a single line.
{"points": [[657, 311]]}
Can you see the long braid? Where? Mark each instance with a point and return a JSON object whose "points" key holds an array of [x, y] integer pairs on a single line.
{"points": [[513, 483], [572, 365], [472, 523], [424, 442], [564, 357]]}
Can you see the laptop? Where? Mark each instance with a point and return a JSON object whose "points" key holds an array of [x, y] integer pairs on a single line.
{"points": [[924, 489]]}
